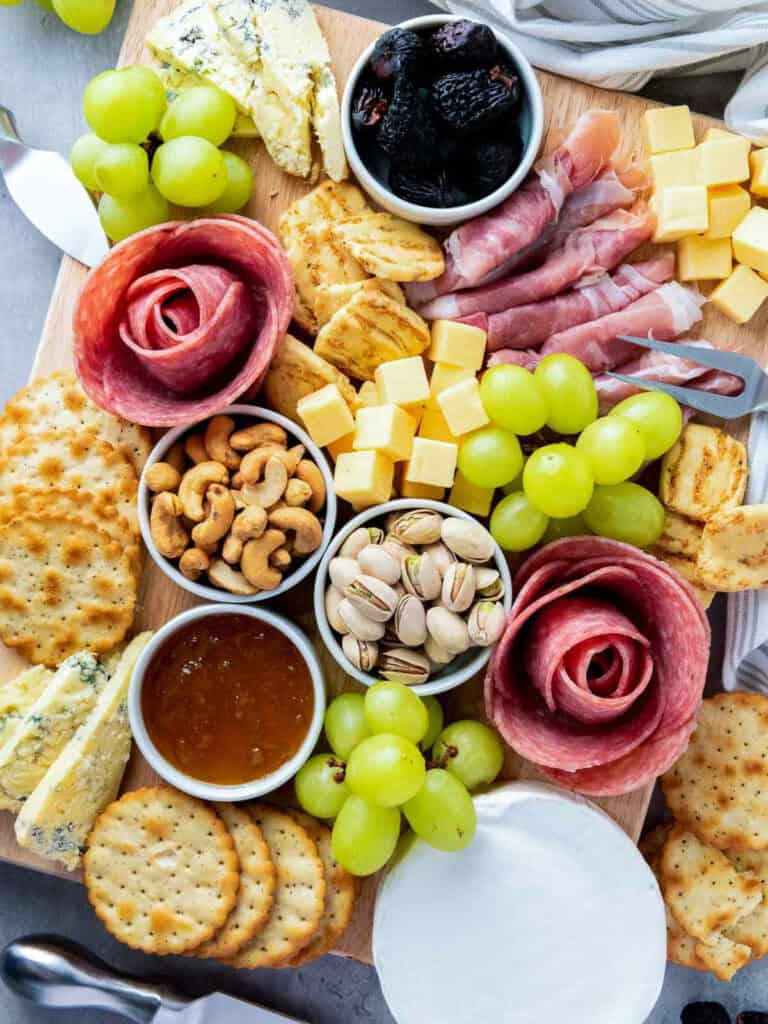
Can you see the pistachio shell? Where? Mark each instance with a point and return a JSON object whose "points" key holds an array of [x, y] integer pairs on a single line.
{"points": [[448, 630], [441, 555], [410, 621], [419, 526], [362, 653], [420, 577], [437, 654], [486, 623], [402, 665], [375, 599], [397, 548], [458, 591], [358, 624], [333, 599], [376, 561], [359, 539], [342, 571], [489, 584], [468, 540]]}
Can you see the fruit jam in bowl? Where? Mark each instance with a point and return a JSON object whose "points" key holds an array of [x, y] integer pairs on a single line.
{"points": [[442, 119]]}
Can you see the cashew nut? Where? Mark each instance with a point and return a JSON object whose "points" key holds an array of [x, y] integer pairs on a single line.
{"points": [[175, 457], [222, 575], [193, 563], [255, 560], [305, 526], [257, 435], [237, 481], [220, 511], [194, 485], [217, 443], [162, 476], [169, 535], [249, 524], [271, 489], [194, 446], [254, 462], [281, 559], [311, 474], [298, 492]]}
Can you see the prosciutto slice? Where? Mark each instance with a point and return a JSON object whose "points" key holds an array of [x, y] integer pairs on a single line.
{"points": [[180, 320], [601, 666], [663, 314], [531, 324]]}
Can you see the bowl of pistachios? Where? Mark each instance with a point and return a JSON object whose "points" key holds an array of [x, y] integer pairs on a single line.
{"points": [[416, 592]]}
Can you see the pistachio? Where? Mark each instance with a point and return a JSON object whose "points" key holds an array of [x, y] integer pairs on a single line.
{"points": [[486, 623], [342, 571], [458, 591], [397, 548], [401, 665], [358, 624], [410, 621], [333, 599], [468, 540], [376, 561], [420, 577], [448, 630], [390, 521], [398, 588], [374, 598], [437, 654], [440, 555], [390, 638], [359, 539], [362, 653], [420, 526], [489, 584]]}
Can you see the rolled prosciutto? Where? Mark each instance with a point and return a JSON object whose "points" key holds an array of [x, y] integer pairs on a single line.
{"points": [[182, 319], [601, 667]]}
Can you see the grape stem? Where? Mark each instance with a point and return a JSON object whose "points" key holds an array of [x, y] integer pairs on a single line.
{"points": [[447, 755], [340, 775]]}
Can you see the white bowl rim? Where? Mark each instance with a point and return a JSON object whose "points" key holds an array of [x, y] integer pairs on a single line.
{"points": [[208, 790], [467, 211], [446, 680], [289, 581]]}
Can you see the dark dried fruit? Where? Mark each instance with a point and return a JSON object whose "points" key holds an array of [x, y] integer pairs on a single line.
{"points": [[409, 128], [752, 1017], [397, 121], [487, 165], [369, 107], [470, 99], [397, 52], [433, 188], [705, 1013], [464, 44]]}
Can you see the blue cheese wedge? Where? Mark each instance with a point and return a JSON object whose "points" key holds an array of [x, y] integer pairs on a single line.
{"points": [[17, 696], [176, 80], [48, 725], [58, 816]]}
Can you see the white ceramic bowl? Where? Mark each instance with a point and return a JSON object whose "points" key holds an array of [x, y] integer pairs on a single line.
{"points": [[207, 790], [302, 570], [531, 122], [463, 667]]}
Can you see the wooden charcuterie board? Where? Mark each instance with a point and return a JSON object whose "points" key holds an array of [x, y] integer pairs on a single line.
{"points": [[160, 599]]}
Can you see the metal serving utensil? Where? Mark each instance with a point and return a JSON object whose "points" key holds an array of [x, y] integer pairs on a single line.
{"points": [[753, 398]]}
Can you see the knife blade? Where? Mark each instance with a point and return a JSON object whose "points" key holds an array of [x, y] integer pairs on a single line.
{"points": [[44, 187], [59, 974]]}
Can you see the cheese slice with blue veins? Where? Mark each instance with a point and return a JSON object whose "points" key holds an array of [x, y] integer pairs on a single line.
{"points": [[58, 816], [48, 725], [17, 696], [175, 80]]}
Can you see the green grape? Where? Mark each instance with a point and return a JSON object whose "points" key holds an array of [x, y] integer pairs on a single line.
{"points": [[570, 526], [86, 16], [490, 457], [515, 524], [626, 512], [470, 751], [189, 171], [120, 106], [558, 480], [364, 836], [517, 483], [239, 185], [122, 169], [569, 391], [392, 707], [436, 719], [204, 111], [442, 812], [513, 399], [615, 448], [83, 157], [123, 217], [152, 86], [345, 724], [385, 769], [320, 786], [658, 418]]}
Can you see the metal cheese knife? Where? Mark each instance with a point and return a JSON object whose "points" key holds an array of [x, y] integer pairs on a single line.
{"points": [[58, 974], [44, 187]]}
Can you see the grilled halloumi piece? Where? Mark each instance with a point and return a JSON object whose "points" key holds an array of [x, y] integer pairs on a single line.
{"points": [[686, 567], [391, 248], [330, 298], [296, 371], [705, 473], [18, 695], [176, 80], [734, 549], [371, 329], [681, 536]]}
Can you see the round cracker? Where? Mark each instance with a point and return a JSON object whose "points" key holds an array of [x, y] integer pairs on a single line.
{"points": [[161, 870], [65, 584], [300, 893], [257, 886]]}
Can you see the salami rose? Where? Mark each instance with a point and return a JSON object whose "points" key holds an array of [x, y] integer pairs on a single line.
{"points": [[601, 666], [182, 319]]}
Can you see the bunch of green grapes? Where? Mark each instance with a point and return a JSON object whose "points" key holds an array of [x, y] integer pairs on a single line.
{"points": [[377, 772], [126, 110], [565, 489], [88, 17]]}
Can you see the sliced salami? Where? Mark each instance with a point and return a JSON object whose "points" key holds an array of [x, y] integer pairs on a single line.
{"points": [[182, 319], [601, 666]]}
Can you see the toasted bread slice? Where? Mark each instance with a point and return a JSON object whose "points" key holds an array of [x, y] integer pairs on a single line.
{"points": [[705, 473], [734, 550]]}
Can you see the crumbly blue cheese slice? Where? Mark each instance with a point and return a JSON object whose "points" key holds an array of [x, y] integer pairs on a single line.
{"points": [[48, 725], [176, 80], [17, 696], [58, 816], [326, 120]]}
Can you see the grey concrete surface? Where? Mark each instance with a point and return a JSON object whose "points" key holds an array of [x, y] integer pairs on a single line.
{"points": [[43, 69]]}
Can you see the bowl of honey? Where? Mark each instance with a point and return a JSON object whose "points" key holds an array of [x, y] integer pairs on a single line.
{"points": [[227, 701]]}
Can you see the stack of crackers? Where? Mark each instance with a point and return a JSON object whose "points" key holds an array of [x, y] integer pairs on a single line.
{"points": [[69, 536], [712, 861], [251, 884]]}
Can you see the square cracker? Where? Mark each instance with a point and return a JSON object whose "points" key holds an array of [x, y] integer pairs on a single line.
{"points": [[724, 957], [752, 930]]}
